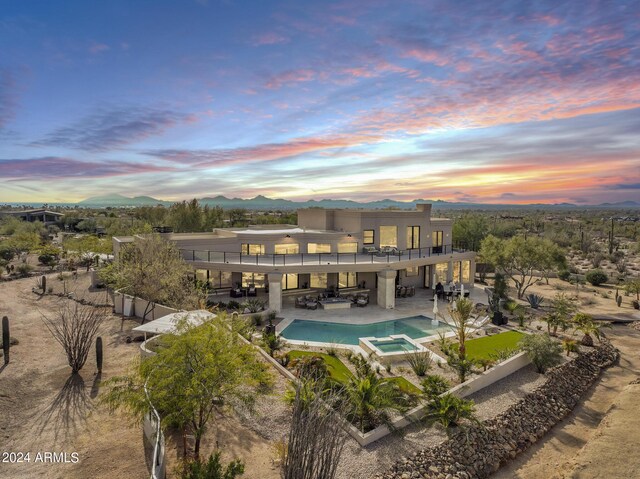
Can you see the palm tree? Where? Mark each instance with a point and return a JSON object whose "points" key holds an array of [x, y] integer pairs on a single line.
{"points": [[462, 323], [370, 400], [562, 309], [587, 326], [570, 346], [449, 411]]}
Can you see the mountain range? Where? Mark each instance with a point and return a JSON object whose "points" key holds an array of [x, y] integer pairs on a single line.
{"points": [[263, 203]]}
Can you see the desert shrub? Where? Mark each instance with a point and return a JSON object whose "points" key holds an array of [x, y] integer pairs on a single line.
{"points": [[213, 468], [564, 275], [597, 277], [24, 269], [433, 385], [543, 351], [420, 362], [233, 305], [534, 300], [257, 319], [310, 367], [254, 305], [449, 411]]}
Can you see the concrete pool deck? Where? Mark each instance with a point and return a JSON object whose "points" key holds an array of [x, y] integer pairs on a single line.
{"points": [[420, 304]]}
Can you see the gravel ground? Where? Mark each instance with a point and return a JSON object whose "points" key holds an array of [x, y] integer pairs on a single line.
{"points": [[496, 398]]}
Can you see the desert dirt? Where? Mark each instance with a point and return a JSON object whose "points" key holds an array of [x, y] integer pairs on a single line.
{"points": [[43, 409], [559, 453]]}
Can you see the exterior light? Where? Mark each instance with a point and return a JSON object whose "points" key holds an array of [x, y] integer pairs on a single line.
{"points": [[349, 235], [288, 236]]}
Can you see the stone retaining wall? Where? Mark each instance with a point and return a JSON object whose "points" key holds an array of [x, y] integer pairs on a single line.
{"points": [[484, 448]]}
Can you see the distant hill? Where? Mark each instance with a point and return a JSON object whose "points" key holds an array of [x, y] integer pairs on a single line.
{"points": [[263, 203], [122, 201]]}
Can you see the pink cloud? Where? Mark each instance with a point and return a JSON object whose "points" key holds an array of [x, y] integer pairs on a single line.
{"points": [[96, 48], [269, 38], [289, 77]]}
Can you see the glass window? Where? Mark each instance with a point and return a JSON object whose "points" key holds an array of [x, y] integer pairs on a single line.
{"points": [[441, 272], [318, 280], [466, 271], [456, 271], [346, 280], [290, 248], [413, 271], [368, 237], [389, 236], [413, 237], [290, 281], [351, 247], [318, 248], [437, 241], [258, 279], [220, 279], [202, 275], [248, 248]]}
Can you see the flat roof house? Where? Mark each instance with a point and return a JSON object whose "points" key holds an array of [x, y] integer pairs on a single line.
{"points": [[377, 250], [44, 216]]}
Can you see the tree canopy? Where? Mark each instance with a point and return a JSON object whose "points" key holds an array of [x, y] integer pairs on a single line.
{"points": [[153, 269], [194, 373], [522, 259]]}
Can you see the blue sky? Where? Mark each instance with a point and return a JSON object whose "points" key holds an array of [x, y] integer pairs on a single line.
{"points": [[465, 101]]}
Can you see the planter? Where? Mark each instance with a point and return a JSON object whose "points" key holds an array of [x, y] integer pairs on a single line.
{"points": [[498, 318]]}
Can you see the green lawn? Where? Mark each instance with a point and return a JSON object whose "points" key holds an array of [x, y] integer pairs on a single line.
{"points": [[405, 385], [482, 348], [340, 372], [337, 369]]}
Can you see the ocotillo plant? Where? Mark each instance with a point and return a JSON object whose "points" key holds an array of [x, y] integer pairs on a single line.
{"points": [[99, 353], [6, 339]]}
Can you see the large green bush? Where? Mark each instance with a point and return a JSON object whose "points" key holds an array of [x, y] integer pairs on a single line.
{"points": [[543, 351], [597, 277]]}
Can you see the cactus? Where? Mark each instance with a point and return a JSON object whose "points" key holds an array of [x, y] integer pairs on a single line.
{"points": [[43, 283], [99, 353], [6, 339], [619, 300]]}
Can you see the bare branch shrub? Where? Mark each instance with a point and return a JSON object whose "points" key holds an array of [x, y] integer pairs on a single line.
{"points": [[75, 326], [316, 438]]}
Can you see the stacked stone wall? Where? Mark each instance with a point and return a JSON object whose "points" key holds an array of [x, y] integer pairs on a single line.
{"points": [[483, 448]]}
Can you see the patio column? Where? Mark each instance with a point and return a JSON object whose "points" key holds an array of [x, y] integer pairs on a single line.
{"points": [[387, 288], [450, 271], [275, 291]]}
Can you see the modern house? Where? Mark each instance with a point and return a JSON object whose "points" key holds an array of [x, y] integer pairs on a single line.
{"points": [[377, 250], [44, 216]]}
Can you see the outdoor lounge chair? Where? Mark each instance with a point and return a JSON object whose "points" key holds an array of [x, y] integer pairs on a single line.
{"points": [[312, 305], [301, 302], [252, 290], [236, 293], [480, 322]]}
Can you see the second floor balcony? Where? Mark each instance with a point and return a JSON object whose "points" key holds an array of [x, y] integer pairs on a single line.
{"points": [[310, 259]]}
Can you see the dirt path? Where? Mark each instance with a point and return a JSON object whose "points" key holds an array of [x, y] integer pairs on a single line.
{"points": [[555, 455], [43, 409]]}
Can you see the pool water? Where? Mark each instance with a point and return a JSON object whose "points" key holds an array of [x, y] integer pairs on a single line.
{"points": [[341, 333], [394, 345]]}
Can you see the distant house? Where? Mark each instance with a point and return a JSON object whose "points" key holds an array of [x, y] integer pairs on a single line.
{"points": [[44, 216]]}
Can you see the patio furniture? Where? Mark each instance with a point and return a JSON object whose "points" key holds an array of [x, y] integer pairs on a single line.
{"points": [[252, 291], [362, 300], [480, 322], [411, 291], [301, 301], [312, 305], [236, 293], [369, 250]]}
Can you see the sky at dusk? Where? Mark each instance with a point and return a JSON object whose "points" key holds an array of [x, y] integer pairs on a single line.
{"points": [[488, 102]]}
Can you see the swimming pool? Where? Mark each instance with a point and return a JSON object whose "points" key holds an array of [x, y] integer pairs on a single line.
{"points": [[341, 333]]}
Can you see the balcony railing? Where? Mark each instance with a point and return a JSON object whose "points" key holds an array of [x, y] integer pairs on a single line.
{"points": [[310, 259]]}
